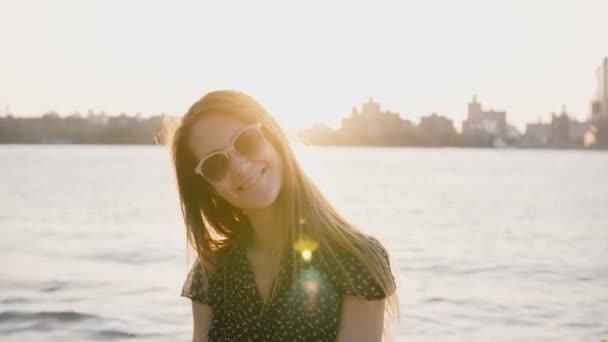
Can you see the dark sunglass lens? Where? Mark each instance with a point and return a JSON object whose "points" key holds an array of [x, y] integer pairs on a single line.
{"points": [[215, 167], [249, 142]]}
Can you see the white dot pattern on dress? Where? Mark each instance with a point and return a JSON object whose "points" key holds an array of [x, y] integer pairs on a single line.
{"points": [[305, 309]]}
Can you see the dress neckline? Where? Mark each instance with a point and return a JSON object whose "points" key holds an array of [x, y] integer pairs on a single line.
{"points": [[247, 268]]}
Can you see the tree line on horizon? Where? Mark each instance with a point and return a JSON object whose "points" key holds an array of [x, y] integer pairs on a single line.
{"points": [[94, 129]]}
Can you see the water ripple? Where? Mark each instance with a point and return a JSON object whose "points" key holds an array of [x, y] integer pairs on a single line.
{"points": [[60, 316], [54, 286], [13, 300], [127, 258], [112, 334]]}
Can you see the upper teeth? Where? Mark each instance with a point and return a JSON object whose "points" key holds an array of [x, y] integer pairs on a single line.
{"points": [[252, 180]]}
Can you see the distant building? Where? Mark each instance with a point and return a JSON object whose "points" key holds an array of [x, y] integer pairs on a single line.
{"points": [[436, 130], [559, 133], [599, 104], [578, 131], [436, 125], [373, 126], [537, 134], [479, 122], [598, 134], [512, 133]]}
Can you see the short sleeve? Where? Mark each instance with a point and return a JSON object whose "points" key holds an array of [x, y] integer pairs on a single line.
{"points": [[193, 287], [361, 278]]}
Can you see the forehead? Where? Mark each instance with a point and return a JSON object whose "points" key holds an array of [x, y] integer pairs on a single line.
{"points": [[213, 132]]}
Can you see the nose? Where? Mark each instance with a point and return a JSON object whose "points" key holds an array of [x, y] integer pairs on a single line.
{"points": [[239, 165]]}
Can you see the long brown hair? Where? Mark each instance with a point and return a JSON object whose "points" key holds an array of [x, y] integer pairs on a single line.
{"points": [[211, 222]]}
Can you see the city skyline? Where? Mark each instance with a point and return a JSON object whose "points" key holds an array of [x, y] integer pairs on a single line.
{"points": [[414, 58], [458, 125], [368, 125]]}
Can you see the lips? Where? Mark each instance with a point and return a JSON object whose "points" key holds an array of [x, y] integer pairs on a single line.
{"points": [[252, 180]]}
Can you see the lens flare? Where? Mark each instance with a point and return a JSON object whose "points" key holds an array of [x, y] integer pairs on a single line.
{"points": [[311, 287], [311, 284], [306, 247], [306, 255]]}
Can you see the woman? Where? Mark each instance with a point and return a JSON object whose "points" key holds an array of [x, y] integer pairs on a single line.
{"points": [[275, 261]]}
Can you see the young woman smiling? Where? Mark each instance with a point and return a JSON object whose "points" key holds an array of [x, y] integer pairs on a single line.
{"points": [[275, 261]]}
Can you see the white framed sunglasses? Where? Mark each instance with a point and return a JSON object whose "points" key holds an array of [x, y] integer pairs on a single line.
{"points": [[248, 142]]}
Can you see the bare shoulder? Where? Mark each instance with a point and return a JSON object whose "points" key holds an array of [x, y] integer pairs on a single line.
{"points": [[202, 315], [361, 319], [203, 288]]}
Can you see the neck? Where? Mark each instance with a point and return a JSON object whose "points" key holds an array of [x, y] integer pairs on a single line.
{"points": [[265, 223]]}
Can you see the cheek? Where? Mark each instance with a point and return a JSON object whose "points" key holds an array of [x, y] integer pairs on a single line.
{"points": [[277, 165], [271, 155], [278, 161], [223, 189]]}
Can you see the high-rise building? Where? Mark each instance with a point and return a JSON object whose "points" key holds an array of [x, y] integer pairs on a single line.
{"points": [[599, 105]]}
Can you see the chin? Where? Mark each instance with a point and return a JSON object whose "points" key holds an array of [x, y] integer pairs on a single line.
{"points": [[262, 201]]}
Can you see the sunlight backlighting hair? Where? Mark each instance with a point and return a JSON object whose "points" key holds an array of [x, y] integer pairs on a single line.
{"points": [[310, 220]]}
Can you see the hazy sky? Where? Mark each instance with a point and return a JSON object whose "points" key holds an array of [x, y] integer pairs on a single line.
{"points": [[306, 61]]}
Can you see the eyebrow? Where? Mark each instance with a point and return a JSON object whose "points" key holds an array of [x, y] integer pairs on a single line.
{"points": [[205, 155], [230, 142], [212, 151]]}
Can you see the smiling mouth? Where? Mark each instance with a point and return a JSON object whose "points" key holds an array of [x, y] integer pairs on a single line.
{"points": [[252, 181]]}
